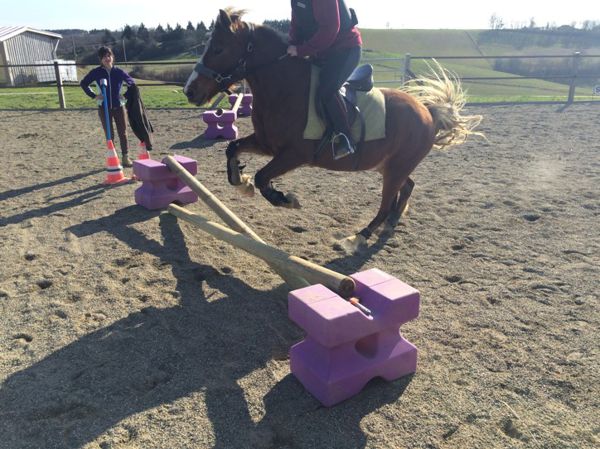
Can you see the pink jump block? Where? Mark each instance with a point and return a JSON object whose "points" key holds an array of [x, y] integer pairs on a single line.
{"points": [[245, 108], [220, 123], [160, 186], [345, 348]]}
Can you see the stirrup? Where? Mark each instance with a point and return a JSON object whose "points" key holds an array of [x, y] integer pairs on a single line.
{"points": [[341, 146]]}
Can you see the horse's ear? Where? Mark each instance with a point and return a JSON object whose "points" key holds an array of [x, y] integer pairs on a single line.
{"points": [[224, 19]]}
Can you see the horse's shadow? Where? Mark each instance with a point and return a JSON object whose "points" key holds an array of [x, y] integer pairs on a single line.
{"points": [[66, 180], [199, 143], [78, 198], [156, 356]]}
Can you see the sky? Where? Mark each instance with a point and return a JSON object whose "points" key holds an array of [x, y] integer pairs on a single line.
{"points": [[431, 14]]}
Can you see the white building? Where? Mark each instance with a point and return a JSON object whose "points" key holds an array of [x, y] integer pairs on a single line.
{"points": [[24, 45]]}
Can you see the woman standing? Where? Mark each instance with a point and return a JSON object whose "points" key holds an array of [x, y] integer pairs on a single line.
{"points": [[115, 78]]}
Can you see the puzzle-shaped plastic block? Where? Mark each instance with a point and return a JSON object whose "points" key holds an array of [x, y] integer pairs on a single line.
{"points": [[345, 348], [245, 108], [160, 186], [220, 123]]}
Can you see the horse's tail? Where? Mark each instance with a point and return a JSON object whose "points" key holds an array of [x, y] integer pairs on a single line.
{"points": [[442, 94]]}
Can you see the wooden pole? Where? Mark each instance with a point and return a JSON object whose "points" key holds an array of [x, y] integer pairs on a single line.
{"points": [[217, 100], [407, 71], [59, 85], [232, 220], [237, 103], [573, 84], [314, 273]]}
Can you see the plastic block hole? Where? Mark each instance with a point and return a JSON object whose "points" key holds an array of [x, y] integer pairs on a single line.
{"points": [[172, 184], [367, 346]]}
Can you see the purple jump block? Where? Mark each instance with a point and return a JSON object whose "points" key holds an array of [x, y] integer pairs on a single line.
{"points": [[160, 186], [245, 108], [345, 348], [220, 124]]}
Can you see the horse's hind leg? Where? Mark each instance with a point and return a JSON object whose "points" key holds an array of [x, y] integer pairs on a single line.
{"points": [[401, 204], [389, 196]]}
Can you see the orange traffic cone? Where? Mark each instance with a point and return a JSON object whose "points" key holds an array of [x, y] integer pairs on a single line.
{"points": [[143, 153], [114, 170]]}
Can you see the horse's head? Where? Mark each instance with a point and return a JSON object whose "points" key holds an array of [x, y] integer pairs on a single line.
{"points": [[224, 60]]}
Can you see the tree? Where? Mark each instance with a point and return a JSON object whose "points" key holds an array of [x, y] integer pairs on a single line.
{"points": [[127, 33], [143, 33], [201, 28], [496, 22], [190, 27], [532, 23], [108, 38]]}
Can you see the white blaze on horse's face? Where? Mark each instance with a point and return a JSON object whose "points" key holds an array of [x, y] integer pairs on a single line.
{"points": [[190, 80], [194, 74]]}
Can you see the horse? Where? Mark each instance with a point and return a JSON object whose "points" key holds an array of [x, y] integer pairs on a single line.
{"points": [[423, 114]]}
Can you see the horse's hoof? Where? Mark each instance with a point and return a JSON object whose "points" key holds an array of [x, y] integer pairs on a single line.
{"points": [[404, 212], [233, 172], [292, 201], [246, 188], [352, 244]]}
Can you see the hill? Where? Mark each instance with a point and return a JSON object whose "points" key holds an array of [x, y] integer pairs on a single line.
{"points": [[449, 45]]}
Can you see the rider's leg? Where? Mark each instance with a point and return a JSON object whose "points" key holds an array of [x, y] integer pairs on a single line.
{"points": [[334, 72]]}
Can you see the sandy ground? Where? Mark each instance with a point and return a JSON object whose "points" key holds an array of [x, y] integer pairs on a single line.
{"points": [[123, 328]]}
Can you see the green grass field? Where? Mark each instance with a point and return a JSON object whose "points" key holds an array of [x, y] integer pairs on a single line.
{"points": [[156, 96], [385, 49]]}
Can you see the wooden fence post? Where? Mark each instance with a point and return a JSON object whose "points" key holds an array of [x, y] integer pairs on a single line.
{"points": [[59, 85], [575, 68], [407, 72]]}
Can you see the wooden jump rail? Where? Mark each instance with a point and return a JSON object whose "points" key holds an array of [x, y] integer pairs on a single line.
{"points": [[295, 271], [315, 274]]}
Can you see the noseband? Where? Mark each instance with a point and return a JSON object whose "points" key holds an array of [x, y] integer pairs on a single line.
{"points": [[237, 73], [224, 80]]}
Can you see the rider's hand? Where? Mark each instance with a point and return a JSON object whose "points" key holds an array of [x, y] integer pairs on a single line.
{"points": [[292, 50], [99, 97]]}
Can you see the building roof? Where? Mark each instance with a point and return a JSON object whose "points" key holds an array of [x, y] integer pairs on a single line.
{"points": [[8, 32]]}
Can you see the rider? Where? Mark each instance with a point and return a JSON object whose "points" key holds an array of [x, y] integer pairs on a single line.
{"points": [[325, 30]]}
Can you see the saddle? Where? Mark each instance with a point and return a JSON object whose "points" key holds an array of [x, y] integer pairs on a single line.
{"points": [[363, 101], [361, 79]]}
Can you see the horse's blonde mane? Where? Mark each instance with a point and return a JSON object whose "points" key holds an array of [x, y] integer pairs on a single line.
{"points": [[441, 92], [236, 17]]}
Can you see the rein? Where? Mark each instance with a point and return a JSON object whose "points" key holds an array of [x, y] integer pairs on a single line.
{"points": [[237, 73]]}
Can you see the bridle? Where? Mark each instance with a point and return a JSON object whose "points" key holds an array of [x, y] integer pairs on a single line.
{"points": [[239, 71]]}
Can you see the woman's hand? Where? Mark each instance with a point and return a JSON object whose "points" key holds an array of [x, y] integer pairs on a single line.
{"points": [[292, 50], [99, 97]]}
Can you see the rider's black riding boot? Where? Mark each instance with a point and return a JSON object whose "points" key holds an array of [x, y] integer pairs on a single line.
{"points": [[341, 140]]}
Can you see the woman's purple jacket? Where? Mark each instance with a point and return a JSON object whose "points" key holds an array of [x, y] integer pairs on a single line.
{"points": [[115, 79]]}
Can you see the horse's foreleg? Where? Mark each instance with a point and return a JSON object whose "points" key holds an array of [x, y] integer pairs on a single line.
{"points": [[235, 147], [279, 165]]}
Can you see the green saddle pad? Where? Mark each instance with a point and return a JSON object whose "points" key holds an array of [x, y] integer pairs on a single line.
{"points": [[371, 104]]}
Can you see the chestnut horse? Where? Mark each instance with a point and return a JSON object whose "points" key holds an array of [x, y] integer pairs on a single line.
{"points": [[423, 114]]}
